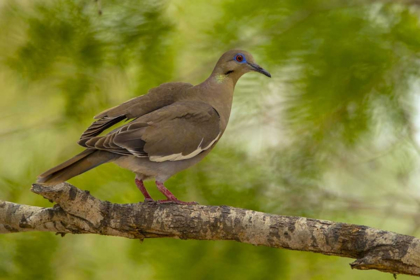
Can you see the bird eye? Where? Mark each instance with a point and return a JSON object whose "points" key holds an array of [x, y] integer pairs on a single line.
{"points": [[239, 58]]}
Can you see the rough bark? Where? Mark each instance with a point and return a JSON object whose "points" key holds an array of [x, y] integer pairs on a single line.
{"points": [[79, 212]]}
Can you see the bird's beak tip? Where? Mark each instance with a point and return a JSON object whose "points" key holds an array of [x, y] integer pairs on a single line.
{"points": [[259, 69], [264, 72]]}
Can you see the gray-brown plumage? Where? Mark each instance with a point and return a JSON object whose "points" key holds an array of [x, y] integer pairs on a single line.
{"points": [[172, 127]]}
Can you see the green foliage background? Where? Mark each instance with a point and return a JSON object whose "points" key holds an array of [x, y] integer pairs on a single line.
{"points": [[333, 135]]}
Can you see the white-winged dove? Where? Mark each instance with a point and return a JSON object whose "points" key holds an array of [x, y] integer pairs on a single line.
{"points": [[173, 127]]}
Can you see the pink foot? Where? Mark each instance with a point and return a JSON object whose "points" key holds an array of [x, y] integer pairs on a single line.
{"points": [[142, 188], [170, 197]]}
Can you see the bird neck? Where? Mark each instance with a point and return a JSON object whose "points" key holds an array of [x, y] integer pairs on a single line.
{"points": [[220, 76], [217, 91]]}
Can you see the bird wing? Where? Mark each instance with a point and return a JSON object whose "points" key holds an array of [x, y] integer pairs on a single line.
{"points": [[179, 131], [156, 98]]}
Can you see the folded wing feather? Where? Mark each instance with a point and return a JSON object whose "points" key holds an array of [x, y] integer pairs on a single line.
{"points": [[179, 131], [158, 97]]}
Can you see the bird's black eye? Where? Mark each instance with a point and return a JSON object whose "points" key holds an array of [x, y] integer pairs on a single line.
{"points": [[239, 58]]}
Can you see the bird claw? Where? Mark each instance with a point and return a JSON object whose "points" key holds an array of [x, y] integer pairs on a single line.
{"points": [[176, 201], [149, 200]]}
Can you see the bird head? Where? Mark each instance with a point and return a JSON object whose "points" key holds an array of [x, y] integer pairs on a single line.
{"points": [[235, 63]]}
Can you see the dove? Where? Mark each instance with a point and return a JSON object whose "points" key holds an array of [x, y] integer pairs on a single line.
{"points": [[169, 129]]}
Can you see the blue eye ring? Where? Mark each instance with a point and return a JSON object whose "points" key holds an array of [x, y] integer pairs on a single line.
{"points": [[240, 58]]}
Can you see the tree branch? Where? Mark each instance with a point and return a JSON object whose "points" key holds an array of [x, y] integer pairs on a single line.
{"points": [[79, 212]]}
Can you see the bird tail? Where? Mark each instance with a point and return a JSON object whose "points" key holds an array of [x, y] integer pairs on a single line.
{"points": [[79, 164]]}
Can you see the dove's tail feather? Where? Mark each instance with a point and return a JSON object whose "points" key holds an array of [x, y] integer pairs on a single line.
{"points": [[79, 164]]}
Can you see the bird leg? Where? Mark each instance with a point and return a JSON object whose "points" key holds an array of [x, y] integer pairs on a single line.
{"points": [[170, 196], [142, 188]]}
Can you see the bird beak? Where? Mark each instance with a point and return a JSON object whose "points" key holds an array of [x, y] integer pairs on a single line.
{"points": [[259, 69]]}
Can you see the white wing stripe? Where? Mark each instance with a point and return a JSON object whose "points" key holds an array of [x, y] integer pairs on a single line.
{"points": [[180, 156]]}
